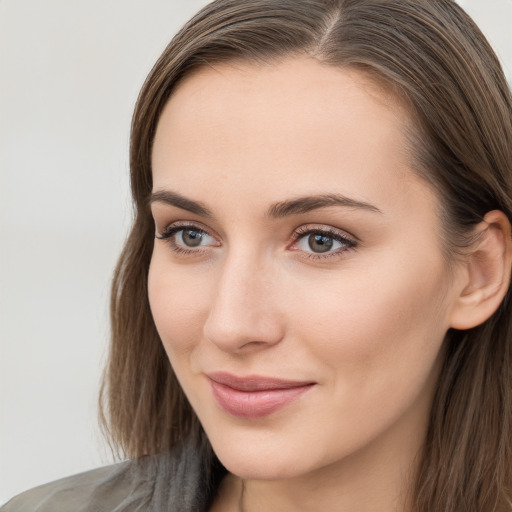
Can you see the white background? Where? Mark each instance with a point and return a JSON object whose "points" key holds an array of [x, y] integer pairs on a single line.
{"points": [[70, 72]]}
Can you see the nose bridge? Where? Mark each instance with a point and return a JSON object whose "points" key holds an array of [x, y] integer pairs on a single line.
{"points": [[243, 310]]}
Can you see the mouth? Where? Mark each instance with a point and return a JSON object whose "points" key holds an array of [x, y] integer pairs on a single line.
{"points": [[253, 396]]}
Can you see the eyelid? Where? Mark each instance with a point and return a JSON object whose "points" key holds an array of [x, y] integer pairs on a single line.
{"points": [[323, 228], [176, 226]]}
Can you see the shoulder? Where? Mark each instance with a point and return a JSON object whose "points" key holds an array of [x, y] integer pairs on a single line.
{"points": [[172, 480], [110, 488]]}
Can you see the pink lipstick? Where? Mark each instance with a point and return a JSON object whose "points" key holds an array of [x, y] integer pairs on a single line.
{"points": [[253, 397]]}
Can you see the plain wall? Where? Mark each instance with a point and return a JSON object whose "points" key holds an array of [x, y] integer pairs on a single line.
{"points": [[70, 72]]}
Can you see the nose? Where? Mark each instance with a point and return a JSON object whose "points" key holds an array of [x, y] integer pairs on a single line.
{"points": [[244, 315]]}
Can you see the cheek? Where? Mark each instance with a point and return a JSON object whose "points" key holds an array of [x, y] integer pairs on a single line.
{"points": [[178, 304], [379, 334]]}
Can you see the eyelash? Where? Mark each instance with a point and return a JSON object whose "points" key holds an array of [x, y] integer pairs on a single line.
{"points": [[348, 243], [170, 231]]}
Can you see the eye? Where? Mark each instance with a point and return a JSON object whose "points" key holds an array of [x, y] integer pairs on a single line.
{"points": [[190, 237], [187, 238], [322, 243]]}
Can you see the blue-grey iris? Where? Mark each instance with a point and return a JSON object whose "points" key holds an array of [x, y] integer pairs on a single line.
{"points": [[191, 237], [320, 243]]}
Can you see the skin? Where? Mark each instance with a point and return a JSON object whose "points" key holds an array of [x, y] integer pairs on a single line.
{"points": [[365, 324]]}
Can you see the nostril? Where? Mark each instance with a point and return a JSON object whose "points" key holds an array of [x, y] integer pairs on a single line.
{"points": [[253, 344], [249, 333]]}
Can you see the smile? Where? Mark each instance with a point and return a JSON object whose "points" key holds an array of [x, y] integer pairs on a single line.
{"points": [[254, 397]]}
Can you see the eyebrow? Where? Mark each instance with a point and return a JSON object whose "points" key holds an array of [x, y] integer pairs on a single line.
{"points": [[175, 199], [281, 209], [309, 203]]}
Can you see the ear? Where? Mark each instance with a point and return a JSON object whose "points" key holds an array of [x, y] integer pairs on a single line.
{"points": [[486, 272]]}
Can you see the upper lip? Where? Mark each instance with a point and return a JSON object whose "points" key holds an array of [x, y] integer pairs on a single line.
{"points": [[255, 382]]}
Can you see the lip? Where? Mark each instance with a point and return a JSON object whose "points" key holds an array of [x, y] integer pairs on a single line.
{"points": [[254, 396]]}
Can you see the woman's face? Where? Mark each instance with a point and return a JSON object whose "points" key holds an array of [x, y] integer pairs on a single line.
{"points": [[297, 281]]}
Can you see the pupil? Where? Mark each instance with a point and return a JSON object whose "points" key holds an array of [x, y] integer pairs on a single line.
{"points": [[191, 238], [320, 243]]}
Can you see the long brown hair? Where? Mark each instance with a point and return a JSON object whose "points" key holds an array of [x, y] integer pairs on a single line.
{"points": [[432, 55]]}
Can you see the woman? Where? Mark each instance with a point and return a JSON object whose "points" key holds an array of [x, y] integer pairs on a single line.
{"points": [[312, 309]]}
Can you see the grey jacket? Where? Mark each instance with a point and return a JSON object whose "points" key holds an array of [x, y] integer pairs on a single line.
{"points": [[157, 483]]}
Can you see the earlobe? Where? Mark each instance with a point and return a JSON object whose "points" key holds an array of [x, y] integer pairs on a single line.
{"points": [[486, 273]]}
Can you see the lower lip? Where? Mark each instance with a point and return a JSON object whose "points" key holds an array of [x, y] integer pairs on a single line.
{"points": [[255, 404]]}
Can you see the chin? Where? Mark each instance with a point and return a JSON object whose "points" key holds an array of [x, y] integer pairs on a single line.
{"points": [[259, 469], [262, 459]]}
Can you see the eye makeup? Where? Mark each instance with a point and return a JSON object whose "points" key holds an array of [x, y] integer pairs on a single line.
{"points": [[328, 242], [185, 238], [312, 241]]}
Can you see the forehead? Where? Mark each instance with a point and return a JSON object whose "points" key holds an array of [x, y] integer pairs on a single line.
{"points": [[290, 127]]}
